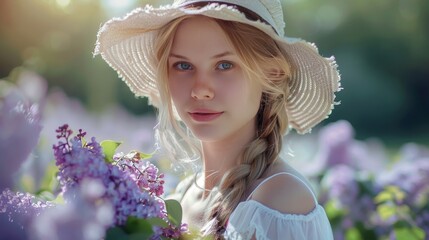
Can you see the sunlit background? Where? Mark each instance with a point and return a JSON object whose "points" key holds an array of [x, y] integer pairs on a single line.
{"points": [[381, 47]]}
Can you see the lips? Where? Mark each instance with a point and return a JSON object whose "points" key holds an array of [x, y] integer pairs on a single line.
{"points": [[204, 115]]}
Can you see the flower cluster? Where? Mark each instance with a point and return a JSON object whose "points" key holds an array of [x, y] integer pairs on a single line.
{"points": [[367, 195], [16, 205], [123, 180], [20, 125], [121, 188], [144, 173]]}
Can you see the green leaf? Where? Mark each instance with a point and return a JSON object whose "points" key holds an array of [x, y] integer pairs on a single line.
{"points": [[390, 193], [386, 211], [45, 195], [59, 199], [398, 194], [353, 234], [145, 155], [412, 233], [157, 222], [383, 196], [140, 236], [116, 233], [109, 148], [174, 211], [332, 210], [138, 225], [49, 181], [137, 156]]}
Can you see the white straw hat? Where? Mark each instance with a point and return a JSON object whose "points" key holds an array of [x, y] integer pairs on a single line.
{"points": [[127, 45]]}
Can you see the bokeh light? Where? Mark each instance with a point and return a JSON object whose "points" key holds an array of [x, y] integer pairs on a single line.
{"points": [[116, 7]]}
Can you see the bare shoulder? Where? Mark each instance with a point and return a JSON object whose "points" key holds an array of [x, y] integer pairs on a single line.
{"points": [[285, 193]]}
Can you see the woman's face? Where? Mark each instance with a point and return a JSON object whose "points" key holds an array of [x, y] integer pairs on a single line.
{"points": [[207, 83]]}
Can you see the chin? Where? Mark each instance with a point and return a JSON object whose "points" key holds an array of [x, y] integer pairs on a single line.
{"points": [[207, 135]]}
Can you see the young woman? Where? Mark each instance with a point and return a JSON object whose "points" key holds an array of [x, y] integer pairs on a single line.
{"points": [[228, 86]]}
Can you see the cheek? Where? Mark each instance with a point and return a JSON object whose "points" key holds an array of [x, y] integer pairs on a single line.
{"points": [[177, 88], [246, 94], [179, 97]]}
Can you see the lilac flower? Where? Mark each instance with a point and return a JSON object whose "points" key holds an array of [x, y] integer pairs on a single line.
{"points": [[171, 232], [21, 204], [422, 221], [79, 160], [368, 156], [341, 185], [335, 140], [128, 200], [338, 146], [412, 177], [84, 216], [144, 173], [411, 152], [98, 193], [136, 132], [19, 132], [20, 209]]}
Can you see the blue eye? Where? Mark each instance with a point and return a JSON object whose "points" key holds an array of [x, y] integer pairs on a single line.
{"points": [[225, 66], [183, 66]]}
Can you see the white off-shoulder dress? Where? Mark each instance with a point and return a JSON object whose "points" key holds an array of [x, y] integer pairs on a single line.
{"points": [[251, 218]]}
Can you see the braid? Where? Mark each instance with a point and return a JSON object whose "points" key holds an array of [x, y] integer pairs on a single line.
{"points": [[258, 156], [269, 66]]}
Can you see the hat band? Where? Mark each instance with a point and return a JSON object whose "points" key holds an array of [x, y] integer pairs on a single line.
{"points": [[248, 13]]}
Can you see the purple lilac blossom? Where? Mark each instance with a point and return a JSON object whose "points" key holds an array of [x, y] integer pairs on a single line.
{"points": [[335, 140], [412, 177], [422, 221], [17, 210], [57, 108], [31, 88], [136, 132], [78, 160], [85, 215], [341, 186], [412, 151], [170, 232], [144, 173], [338, 146], [368, 156], [19, 133]]}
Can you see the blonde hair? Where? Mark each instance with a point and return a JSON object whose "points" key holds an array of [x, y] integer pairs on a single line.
{"points": [[264, 62]]}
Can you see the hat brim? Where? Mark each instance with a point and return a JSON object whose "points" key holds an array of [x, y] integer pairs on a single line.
{"points": [[126, 44]]}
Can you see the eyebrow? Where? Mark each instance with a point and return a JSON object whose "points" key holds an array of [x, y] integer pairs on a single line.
{"points": [[214, 57]]}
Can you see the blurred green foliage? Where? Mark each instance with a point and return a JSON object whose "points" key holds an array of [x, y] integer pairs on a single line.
{"points": [[380, 46]]}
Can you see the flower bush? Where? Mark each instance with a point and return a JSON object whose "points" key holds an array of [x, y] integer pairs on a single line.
{"points": [[118, 195], [367, 195]]}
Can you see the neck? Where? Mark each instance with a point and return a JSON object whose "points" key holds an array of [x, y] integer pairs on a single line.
{"points": [[221, 156]]}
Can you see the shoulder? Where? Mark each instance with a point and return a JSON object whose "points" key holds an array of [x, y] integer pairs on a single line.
{"points": [[285, 193]]}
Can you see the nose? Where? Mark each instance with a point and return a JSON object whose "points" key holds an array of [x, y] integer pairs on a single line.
{"points": [[202, 88]]}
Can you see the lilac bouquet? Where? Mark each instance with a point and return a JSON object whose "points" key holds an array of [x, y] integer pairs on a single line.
{"points": [[102, 194]]}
